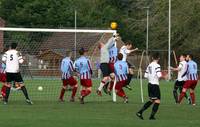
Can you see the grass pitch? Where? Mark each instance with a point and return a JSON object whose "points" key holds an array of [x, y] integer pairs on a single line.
{"points": [[97, 111]]}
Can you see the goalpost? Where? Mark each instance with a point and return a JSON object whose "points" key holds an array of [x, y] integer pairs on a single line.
{"points": [[44, 49], [145, 60]]}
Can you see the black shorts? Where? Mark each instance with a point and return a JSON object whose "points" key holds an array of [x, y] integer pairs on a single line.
{"points": [[14, 77], [105, 69], [179, 83], [130, 65], [154, 91]]}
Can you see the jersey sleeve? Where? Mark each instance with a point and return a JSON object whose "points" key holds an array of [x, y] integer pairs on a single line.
{"points": [[110, 43], [4, 57], [127, 51], [62, 66], [127, 71], [75, 65], [71, 66], [180, 66], [20, 58], [146, 72], [158, 71], [90, 67]]}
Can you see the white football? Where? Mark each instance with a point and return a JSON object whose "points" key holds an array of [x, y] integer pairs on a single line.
{"points": [[40, 88]]}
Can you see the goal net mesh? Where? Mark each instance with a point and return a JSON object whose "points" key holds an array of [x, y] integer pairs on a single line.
{"points": [[43, 52]]}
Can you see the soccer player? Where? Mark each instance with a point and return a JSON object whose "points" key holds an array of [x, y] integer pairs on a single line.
{"points": [[113, 52], [192, 79], [153, 74], [125, 50], [182, 71], [3, 80], [3, 75], [67, 78], [104, 66], [83, 68], [121, 71], [12, 58]]}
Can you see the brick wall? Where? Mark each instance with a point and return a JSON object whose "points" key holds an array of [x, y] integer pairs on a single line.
{"points": [[2, 24]]}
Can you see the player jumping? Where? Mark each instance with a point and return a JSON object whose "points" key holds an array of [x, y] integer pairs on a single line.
{"points": [[67, 78], [104, 63], [12, 58], [83, 68], [153, 73], [121, 71], [125, 50], [192, 79], [182, 71], [113, 52]]}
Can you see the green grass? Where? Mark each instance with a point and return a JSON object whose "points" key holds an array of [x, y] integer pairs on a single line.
{"points": [[96, 112]]}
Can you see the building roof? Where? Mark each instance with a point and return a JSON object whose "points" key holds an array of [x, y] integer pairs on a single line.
{"points": [[62, 42]]}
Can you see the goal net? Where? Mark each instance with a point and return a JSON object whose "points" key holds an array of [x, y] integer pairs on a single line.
{"points": [[43, 50]]}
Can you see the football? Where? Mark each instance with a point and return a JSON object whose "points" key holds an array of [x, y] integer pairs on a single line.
{"points": [[40, 88], [113, 25]]}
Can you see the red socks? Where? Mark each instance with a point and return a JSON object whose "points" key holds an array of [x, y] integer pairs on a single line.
{"points": [[74, 91], [192, 95], [121, 93], [181, 96], [3, 91], [111, 85], [62, 92], [85, 93]]}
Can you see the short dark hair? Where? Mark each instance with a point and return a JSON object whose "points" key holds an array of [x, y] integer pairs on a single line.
{"points": [[120, 56], [184, 55], [190, 55], [82, 51], [129, 42], [156, 56], [13, 45], [6, 48]]}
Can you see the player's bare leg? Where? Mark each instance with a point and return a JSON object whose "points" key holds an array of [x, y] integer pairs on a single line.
{"points": [[103, 82], [107, 89]]}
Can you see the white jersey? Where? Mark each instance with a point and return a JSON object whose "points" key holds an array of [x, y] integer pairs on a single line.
{"points": [[124, 51], [182, 71], [12, 58], [104, 56], [153, 73]]}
